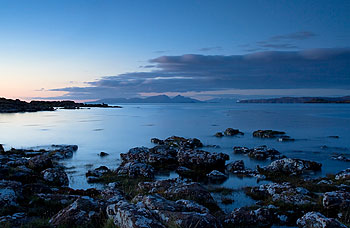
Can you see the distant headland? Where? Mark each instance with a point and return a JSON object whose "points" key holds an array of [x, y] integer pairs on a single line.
{"points": [[342, 100]]}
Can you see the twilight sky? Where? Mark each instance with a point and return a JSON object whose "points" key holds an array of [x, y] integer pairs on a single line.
{"points": [[91, 49]]}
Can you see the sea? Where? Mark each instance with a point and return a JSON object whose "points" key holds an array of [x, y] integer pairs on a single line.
{"points": [[116, 130]]}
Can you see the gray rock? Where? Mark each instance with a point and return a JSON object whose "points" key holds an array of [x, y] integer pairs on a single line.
{"points": [[242, 217], [55, 176], [135, 169], [10, 193], [267, 133], [336, 200], [235, 166], [343, 175], [40, 162], [232, 132], [317, 220], [259, 152], [217, 176], [289, 166]]}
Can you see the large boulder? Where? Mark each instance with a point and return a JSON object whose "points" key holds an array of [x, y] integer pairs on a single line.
{"points": [[135, 169], [178, 188], [10, 193], [336, 200], [289, 166], [202, 160], [281, 193], [84, 212], [317, 220], [55, 176], [179, 142], [129, 215], [182, 213], [40, 162], [243, 217]]}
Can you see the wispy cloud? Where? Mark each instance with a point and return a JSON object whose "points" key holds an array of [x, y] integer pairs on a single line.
{"points": [[309, 69], [205, 49]]}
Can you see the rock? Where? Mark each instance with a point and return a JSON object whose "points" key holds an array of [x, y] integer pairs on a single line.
{"points": [[182, 213], [340, 157], [235, 166], [317, 220], [289, 166], [135, 169], [62, 151], [84, 212], [219, 134], [268, 133], [343, 175], [103, 154], [157, 141], [98, 172], [14, 220], [232, 132], [202, 160], [158, 156], [40, 162], [55, 176], [285, 138], [10, 193], [243, 217], [186, 172], [129, 215], [259, 152], [112, 194], [216, 176], [1, 149], [177, 188], [281, 193], [181, 142], [336, 200]]}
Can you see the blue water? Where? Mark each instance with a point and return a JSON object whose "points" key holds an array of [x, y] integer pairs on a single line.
{"points": [[117, 130]]}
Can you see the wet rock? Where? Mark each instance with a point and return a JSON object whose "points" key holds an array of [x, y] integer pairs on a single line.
{"points": [[179, 142], [219, 134], [1, 149], [268, 133], [202, 160], [103, 154], [62, 151], [285, 138], [284, 193], [235, 166], [40, 162], [112, 193], [55, 176], [10, 193], [289, 166], [180, 213], [232, 132], [177, 188], [243, 217], [186, 172], [98, 172], [343, 175], [340, 157], [129, 215], [216, 176], [317, 220], [336, 200], [135, 169], [259, 152], [84, 212], [158, 156]]}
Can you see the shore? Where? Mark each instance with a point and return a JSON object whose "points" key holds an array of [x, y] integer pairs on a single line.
{"points": [[34, 189]]}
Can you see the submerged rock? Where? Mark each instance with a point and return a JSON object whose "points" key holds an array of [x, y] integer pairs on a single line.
{"points": [[289, 166], [103, 154], [232, 132], [268, 133], [217, 176], [317, 220], [259, 152], [243, 217], [219, 134]]}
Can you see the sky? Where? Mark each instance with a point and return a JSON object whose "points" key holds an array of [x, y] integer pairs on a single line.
{"points": [[93, 49]]}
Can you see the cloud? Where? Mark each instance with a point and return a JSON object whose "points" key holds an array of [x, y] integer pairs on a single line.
{"points": [[309, 69], [216, 48], [279, 42]]}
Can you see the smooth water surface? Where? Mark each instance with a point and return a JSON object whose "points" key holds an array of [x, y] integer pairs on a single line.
{"points": [[117, 130]]}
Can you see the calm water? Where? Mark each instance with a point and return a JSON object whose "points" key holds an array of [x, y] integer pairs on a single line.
{"points": [[117, 130]]}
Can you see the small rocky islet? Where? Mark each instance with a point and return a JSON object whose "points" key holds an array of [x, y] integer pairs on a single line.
{"points": [[34, 189]]}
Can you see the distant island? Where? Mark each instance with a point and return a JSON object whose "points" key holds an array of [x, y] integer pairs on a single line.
{"points": [[13, 106], [342, 100], [151, 99]]}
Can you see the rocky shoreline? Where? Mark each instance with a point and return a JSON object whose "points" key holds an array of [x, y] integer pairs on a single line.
{"points": [[14, 106], [34, 189]]}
